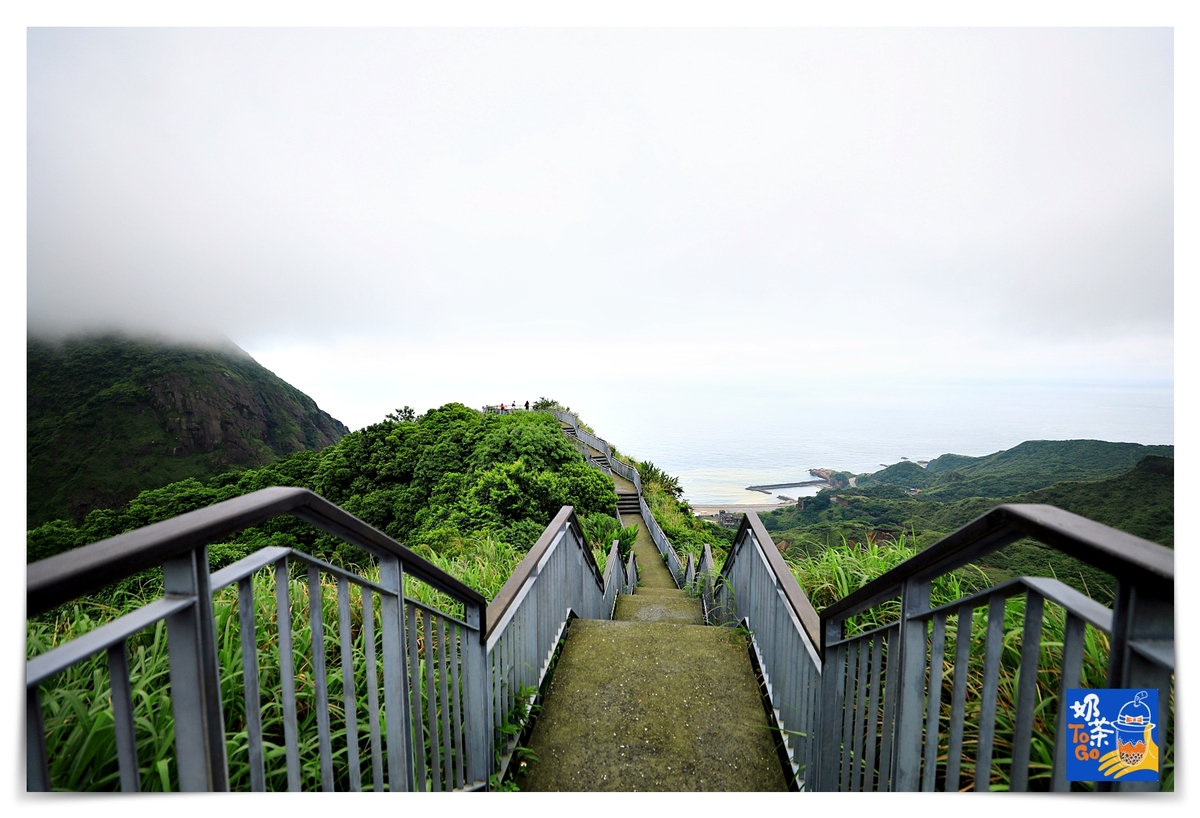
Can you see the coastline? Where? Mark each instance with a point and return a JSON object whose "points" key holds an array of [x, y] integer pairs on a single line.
{"points": [[710, 510]]}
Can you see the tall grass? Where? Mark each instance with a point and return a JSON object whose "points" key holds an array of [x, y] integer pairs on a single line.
{"points": [[837, 571], [77, 706]]}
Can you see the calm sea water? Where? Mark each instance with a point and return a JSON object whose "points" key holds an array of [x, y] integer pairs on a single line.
{"points": [[720, 440]]}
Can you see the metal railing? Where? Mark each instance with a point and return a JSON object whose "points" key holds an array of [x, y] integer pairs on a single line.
{"points": [[884, 693], [447, 684], [662, 544], [558, 578], [755, 589], [630, 473], [434, 696]]}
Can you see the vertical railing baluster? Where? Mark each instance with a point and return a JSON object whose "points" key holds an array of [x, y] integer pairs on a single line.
{"points": [[443, 684], [851, 649], [1031, 646], [456, 636], [991, 677], [250, 693], [887, 736], [37, 768], [287, 673], [476, 699], [1072, 671], [958, 698], [372, 673], [195, 677], [910, 705], [827, 759], [934, 714], [349, 699], [873, 712], [418, 718], [395, 676], [860, 717], [435, 765], [316, 627], [122, 701], [1142, 610]]}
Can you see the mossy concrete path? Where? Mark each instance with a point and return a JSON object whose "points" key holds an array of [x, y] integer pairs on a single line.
{"points": [[652, 700]]}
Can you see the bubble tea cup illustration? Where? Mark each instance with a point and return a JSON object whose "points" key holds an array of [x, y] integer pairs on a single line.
{"points": [[1133, 725]]}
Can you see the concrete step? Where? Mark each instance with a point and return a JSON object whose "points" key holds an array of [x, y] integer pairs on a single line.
{"points": [[672, 593], [650, 608], [636, 707]]}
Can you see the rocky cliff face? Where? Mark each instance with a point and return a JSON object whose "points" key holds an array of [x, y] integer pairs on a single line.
{"points": [[234, 416], [110, 417]]}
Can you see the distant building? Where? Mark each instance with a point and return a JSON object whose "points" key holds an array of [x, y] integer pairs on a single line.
{"points": [[727, 520]]}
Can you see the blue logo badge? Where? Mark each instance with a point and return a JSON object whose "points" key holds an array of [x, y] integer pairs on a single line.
{"points": [[1111, 735]]}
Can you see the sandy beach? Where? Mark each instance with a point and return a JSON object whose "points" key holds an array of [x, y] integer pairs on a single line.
{"points": [[735, 508]]}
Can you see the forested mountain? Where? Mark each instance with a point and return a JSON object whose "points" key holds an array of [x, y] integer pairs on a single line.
{"points": [[1139, 501], [109, 417], [1031, 465], [451, 477]]}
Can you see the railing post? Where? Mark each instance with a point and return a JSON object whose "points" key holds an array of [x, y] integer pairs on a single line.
{"points": [[195, 679], [906, 757], [477, 699], [829, 754], [1142, 612], [401, 777]]}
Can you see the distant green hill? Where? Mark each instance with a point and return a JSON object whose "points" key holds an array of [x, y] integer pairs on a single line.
{"points": [[1140, 501], [1028, 466], [110, 417]]}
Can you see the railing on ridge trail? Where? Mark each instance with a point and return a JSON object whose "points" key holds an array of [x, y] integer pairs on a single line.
{"points": [[756, 589], [442, 683], [432, 679], [895, 666], [678, 571], [442, 692], [558, 578], [630, 473]]}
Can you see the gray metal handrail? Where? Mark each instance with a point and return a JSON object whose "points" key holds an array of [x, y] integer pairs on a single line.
{"points": [[444, 712], [628, 472], [558, 578], [877, 688], [663, 544], [756, 589]]}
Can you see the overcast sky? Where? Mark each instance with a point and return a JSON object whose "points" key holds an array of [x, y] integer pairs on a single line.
{"points": [[414, 216]]}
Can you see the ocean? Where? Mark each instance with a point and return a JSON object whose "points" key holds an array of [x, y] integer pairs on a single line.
{"points": [[721, 440]]}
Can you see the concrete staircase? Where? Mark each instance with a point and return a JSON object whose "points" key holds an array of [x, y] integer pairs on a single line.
{"points": [[652, 700], [628, 504]]}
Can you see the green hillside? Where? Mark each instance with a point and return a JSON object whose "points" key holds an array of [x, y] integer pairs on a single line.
{"points": [[452, 483], [1029, 466], [1139, 501], [110, 417]]}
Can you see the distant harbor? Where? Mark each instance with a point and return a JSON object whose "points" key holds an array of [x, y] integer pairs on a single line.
{"points": [[820, 478]]}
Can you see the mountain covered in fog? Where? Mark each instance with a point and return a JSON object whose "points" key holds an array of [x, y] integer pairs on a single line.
{"points": [[108, 417]]}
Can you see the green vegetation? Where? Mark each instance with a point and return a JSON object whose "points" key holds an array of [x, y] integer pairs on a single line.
{"points": [[110, 417], [77, 709], [845, 567], [1140, 501], [470, 491], [1031, 465]]}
